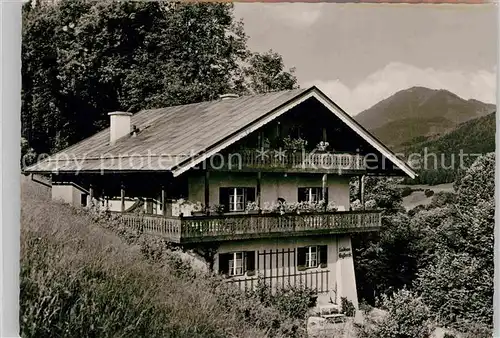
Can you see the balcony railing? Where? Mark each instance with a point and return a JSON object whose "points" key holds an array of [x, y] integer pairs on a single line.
{"points": [[274, 160], [236, 227]]}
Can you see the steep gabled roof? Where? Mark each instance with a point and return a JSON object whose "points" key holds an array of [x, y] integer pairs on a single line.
{"points": [[184, 136]]}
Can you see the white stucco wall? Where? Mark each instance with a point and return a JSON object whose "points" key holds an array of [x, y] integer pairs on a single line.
{"points": [[340, 282], [67, 194], [346, 281], [273, 186], [116, 204]]}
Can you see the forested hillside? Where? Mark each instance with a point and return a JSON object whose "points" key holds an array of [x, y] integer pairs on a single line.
{"points": [[449, 155], [434, 264]]}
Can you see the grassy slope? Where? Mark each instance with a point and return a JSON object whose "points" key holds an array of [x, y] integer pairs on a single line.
{"points": [[417, 197], [80, 280]]}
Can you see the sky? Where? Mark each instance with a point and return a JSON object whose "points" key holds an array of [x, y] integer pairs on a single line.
{"points": [[359, 54]]}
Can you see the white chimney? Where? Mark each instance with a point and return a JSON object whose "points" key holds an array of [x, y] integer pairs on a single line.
{"points": [[120, 125], [228, 96]]}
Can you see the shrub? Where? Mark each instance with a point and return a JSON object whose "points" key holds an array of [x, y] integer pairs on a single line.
{"points": [[291, 301], [406, 191], [365, 307], [347, 307], [407, 317], [428, 192], [474, 330]]}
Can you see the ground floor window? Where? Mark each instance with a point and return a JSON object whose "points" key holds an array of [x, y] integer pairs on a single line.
{"points": [[236, 263], [312, 256]]}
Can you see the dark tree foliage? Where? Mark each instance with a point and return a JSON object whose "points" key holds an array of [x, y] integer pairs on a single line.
{"points": [[266, 73], [82, 59]]}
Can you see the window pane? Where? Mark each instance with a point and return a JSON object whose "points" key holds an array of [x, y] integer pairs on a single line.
{"points": [[238, 269]]}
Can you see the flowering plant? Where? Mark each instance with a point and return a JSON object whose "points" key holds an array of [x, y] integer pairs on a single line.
{"points": [[252, 206], [217, 208], [331, 206], [322, 146], [197, 207], [271, 207], [294, 144]]}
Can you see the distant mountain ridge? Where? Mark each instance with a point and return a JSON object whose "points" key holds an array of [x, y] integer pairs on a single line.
{"points": [[419, 113], [469, 140]]}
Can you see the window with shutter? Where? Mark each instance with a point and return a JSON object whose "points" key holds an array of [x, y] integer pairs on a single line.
{"points": [[250, 261], [236, 198], [301, 257], [236, 264], [312, 256], [224, 197], [323, 254], [224, 263], [312, 194], [302, 196], [250, 195]]}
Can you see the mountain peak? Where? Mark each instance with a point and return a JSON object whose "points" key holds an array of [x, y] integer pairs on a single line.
{"points": [[419, 111]]}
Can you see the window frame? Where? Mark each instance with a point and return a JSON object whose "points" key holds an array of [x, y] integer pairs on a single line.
{"points": [[312, 257], [234, 195], [233, 267], [237, 263], [318, 194], [310, 254], [235, 199]]}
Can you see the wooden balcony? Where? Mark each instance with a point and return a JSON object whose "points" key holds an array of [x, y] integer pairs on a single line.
{"points": [[273, 160], [237, 227]]}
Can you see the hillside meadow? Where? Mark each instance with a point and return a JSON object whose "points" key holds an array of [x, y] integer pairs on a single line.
{"points": [[79, 278]]}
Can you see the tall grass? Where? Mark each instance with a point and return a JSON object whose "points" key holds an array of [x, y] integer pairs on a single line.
{"points": [[80, 279]]}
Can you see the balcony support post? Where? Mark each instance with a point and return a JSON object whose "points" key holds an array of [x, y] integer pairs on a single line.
{"points": [[259, 177], [163, 200], [207, 191], [122, 197], [324, 184], [362, 190], [104, 198], [91, 195]]}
